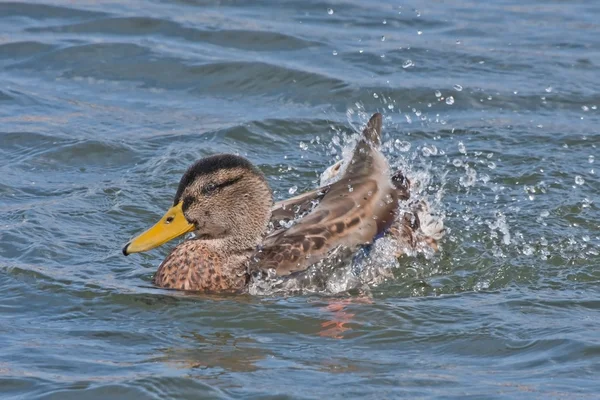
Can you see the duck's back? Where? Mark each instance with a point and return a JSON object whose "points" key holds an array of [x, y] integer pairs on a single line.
{"points": [[355, 210]]}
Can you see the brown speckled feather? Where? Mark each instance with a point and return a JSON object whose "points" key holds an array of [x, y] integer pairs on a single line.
{"points": [[354, 211], [192, 265]]}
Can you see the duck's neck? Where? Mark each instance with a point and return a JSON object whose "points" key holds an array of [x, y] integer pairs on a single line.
{"points": [[234, 244]]}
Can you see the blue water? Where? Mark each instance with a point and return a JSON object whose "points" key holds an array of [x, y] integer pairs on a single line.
{"points": [[492, 106]]}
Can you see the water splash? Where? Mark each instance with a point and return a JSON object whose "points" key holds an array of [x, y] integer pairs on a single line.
{"points": [[487, 243], [374, 264]]}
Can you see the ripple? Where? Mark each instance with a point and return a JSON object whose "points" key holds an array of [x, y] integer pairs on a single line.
{"points": [[130, 62], [33, 150], [21, 147], [4, 96], [99, 154], [255, 78], [44, 11], [84, 55], [23, 50], [26, 141], [248, 40]]}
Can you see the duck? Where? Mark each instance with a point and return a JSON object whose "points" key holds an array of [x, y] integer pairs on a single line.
{"points": [[239, 233]]}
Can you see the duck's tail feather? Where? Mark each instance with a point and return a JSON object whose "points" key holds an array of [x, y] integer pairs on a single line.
{"points": [[372, 131]]}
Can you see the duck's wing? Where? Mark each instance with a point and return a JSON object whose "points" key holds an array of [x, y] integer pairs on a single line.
{"points": [[289, 209], [297, 206], [355, 210]]}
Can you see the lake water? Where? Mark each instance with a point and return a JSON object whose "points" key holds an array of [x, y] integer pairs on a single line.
{"points": [[493, 106]]}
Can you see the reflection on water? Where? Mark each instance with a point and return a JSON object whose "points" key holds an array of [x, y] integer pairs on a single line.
{"points": [[341, 318], [222, 351]]}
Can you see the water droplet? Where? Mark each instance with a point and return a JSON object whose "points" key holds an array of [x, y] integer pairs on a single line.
{"points": [[450, 100], [430, 150], [334, 52], [469, 179], [458, 88], [579, 180], [549, 89], [407, 64], [375, 95], [438, 93], [462, 148], [384, 22], [361, 51], [330, 11], [391, 106], [383, 38], [419, 32], [401, 145], [286, 224], [303, 146], [293, 189], [585, 108], [458, 42], [591, 159], [457, 163], [491, 165]]}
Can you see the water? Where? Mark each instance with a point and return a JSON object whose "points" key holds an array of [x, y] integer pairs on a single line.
{"points": [[103, 104]]}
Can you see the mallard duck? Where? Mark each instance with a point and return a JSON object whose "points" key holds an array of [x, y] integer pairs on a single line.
{"points": [[227, 203]]}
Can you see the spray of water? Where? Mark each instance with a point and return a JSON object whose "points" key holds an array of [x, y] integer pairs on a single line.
{"points": [[374, 264]]}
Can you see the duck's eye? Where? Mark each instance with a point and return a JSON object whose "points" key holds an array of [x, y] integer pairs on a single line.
{"points": [[209, 188]]}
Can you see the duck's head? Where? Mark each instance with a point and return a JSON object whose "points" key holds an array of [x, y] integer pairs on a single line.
{"points": [[223, 198]]}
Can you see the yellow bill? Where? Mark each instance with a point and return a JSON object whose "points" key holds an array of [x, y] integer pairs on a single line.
{"points": [[173, 224]]}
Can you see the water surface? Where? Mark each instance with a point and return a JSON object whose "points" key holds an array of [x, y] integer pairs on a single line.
{"points": [[493, 106]]}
